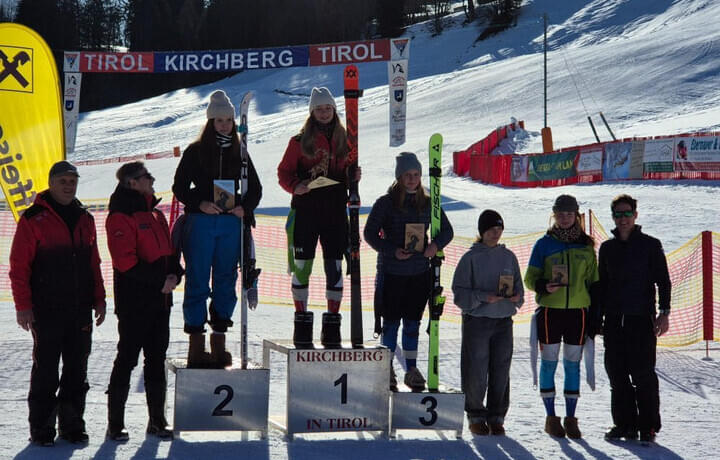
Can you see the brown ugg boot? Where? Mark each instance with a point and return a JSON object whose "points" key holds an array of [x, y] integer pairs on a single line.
{"points": [[571, 428], [480, 428], [553, 427], [220, 356], [198, 358]]}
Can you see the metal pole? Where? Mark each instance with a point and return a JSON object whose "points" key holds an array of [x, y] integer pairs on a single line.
{"points": [[593, 128], [607, 126], [545, 67]]}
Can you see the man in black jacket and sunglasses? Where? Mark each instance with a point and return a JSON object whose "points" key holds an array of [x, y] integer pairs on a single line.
{"points": [[633, 272]]}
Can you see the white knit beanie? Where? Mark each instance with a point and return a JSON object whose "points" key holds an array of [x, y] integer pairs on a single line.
{"points": [[220, 106], [321, 96]]}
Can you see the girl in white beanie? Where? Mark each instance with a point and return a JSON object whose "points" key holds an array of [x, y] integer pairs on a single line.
{"points": [[318, 153], [211, 232]]}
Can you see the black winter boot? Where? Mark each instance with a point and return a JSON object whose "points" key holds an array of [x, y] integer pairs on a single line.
{"points": [[303, 333], [157, 424], [330, 334], [71, 425], [117, 397]]}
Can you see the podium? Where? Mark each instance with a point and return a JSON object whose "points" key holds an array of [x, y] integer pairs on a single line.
{"points": [[439, 411], [333, 390], [230, 399]]}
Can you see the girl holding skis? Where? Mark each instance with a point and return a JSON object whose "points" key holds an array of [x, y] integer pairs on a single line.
{"points": [[314, 170], [561, 271], [211, 233], [397, 228], [488, 288]]}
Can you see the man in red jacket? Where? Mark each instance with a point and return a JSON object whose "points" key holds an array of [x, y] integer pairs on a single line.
{"points": [[56, 283]]}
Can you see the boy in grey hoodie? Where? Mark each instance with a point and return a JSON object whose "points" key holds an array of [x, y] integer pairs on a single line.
{"points": [[488, 288]]}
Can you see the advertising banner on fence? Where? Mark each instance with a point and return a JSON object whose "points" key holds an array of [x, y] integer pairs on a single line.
{"points": [[519, 168], [617, 161], [71, 108], [31, 127], [697, 153], [636, 160], [590, 161], [552, 166], [658, 156]]}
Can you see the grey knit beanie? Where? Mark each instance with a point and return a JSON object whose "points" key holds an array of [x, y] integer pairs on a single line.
{"points": [[405, 162], [220, 106], [321, 96]]}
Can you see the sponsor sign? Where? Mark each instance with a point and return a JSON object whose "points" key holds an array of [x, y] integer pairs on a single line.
{"points": [[231, 60], [590, 161], [71, 108], [397, 87], [399, 49], [552, 166], [31, 126], [616, 164], [697, 153], [348, 53], [658, 155], [519, 168], [115, 62], [636, 160]]}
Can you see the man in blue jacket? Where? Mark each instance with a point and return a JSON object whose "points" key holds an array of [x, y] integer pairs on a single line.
{"points": [[631, 266]]}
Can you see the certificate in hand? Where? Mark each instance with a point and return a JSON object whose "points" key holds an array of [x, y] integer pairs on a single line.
{"points": [[321, 181]]}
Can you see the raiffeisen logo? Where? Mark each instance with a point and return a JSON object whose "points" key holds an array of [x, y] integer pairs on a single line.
{"points": [[16, 69], [20, 192]]}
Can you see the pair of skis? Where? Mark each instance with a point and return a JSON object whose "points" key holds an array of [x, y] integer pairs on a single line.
{"points": [[247, 259], [352, 93]]}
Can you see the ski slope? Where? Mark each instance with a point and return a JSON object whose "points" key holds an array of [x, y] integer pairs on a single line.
{"points": [[651, 66]]}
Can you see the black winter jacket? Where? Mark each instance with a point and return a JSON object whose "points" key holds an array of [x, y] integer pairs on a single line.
{"points": [[629, 273], [199, 167]]}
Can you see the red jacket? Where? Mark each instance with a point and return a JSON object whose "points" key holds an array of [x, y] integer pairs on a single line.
{"points": [[51, 268], [141, 250], [296, 167]]}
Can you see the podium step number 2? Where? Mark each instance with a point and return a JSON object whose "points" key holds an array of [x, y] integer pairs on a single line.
{"points": [[220, 399]]}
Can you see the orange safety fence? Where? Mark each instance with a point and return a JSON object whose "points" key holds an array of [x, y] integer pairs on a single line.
{"points": [[694, 271]]}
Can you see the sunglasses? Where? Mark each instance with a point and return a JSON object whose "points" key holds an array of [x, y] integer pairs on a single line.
{"points": [[146, 175], [619, 214]]}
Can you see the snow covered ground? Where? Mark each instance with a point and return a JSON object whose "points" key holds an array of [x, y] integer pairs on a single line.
{"points": [[650, 65]]}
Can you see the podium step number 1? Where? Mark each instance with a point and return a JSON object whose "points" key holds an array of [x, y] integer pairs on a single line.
{"points": [[334, 390]]}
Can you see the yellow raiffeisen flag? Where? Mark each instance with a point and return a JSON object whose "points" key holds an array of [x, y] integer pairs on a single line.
{"points": [[31, 125]]}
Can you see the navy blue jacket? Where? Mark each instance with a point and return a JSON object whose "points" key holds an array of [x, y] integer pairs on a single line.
{"points": [[384, 217]]}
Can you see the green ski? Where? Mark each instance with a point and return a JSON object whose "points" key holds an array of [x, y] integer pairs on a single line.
{"points": [[437, 300]]}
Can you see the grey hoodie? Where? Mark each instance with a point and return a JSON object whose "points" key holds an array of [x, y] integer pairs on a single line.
{"points": [[477, 276]]}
